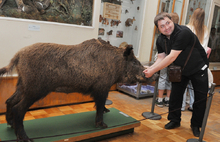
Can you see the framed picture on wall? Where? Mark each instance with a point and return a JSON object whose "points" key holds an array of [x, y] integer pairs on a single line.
{"points": [[101, 31], [79, 12], [111, 11], [119, 34]]}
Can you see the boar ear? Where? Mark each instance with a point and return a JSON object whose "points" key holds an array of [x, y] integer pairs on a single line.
{"points": [[128, 50]]}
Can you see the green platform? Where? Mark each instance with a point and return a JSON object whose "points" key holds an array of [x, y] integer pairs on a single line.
{"points": [[73, 124]]}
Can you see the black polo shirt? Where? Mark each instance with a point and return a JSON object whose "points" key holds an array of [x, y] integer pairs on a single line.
{"points": [[183, 39]]}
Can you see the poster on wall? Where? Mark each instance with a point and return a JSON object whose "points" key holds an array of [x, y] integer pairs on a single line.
{"points": [[79, 12], [112, 11]]}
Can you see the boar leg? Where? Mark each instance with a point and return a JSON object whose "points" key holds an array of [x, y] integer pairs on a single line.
{"points": [[100, 99], [13, 100], [19, 111], [105, 109]]}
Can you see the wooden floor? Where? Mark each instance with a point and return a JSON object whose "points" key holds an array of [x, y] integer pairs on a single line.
{"points": [[150, 130]]}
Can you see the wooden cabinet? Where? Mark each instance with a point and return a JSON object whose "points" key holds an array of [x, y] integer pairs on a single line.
{"points": [[8, 86], [216, 76]]}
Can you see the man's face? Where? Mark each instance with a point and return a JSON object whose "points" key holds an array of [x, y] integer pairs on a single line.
{"points": [[213, 31], [166, 26]]}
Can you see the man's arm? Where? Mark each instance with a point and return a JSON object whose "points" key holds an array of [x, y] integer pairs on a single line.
{"points": [[163, 63], [160, 57]]}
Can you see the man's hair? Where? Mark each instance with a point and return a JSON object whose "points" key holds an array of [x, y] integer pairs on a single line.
{"points": [[213, 28], [161, 16]]}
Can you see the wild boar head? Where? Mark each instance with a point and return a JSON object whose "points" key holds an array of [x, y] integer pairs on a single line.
{"points": [[134, 69]]}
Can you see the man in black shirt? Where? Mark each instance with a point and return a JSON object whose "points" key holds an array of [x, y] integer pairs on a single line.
{"points": [[179, 40]]}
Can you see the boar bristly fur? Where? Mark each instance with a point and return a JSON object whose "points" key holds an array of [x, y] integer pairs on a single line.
{"points": [[90, 68]]}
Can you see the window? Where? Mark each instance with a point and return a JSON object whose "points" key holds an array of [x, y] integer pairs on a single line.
{"points": [[214, 39]]}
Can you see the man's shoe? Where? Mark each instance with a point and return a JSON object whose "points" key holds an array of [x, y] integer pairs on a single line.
{"points": [[160, 104], [190, 109], [166, 103], [172, 125], [196, 131]]}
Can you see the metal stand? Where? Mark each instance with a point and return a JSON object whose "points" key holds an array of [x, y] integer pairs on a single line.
{"points": [[151, 115], [211, 93], [108, 102]]}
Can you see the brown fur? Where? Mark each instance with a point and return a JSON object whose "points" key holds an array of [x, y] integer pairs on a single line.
{"points": [[91, 67]]}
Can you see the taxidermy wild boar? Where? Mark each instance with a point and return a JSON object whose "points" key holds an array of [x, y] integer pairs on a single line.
{"points": [[90, 68]]}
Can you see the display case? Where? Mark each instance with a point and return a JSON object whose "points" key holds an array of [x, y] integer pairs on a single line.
{"points": [[122, 22], [137, 90]]}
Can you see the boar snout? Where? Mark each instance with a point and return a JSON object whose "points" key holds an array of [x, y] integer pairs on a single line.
{"points": [[153, 78], [141, 78], [143, 75]]}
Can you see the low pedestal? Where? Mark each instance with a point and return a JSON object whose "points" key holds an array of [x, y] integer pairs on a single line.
{"points": [[74, 127]]}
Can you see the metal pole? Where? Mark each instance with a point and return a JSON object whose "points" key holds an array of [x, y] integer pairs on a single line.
{"points": [[154, 96], [204, 122], [151, 115]]}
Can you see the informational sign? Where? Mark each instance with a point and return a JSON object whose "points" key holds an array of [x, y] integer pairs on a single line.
{"points": [[33, 27], [111, 11]]}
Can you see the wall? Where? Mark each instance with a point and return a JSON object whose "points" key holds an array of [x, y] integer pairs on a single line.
{"points": [[15, 34], [148, 30]]}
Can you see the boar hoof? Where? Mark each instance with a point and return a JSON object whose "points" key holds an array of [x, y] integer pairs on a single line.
{"points": [[11, 126], [29, 140], [10, 123], [106, 110], [24, 138], [101, 124]]}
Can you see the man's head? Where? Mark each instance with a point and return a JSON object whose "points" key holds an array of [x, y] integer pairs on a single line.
{"points": [[174, 17], [213, 30], [164, 23]]}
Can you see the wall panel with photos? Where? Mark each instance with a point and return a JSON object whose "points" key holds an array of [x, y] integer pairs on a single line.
{"points": [[128, 28]]}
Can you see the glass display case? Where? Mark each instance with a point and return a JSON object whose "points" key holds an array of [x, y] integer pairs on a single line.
{"points": [[138, 90], [122, 22]]}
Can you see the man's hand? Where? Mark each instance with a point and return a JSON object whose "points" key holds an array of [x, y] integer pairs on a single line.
{"points": [[148, 72]]}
